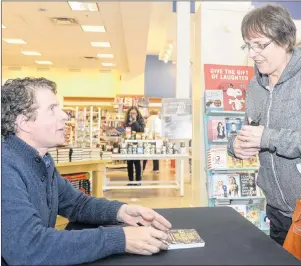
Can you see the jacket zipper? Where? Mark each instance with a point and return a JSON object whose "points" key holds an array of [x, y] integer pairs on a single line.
{"points": [[272, 158]]}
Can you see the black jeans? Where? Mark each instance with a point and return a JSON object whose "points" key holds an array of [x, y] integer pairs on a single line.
{"points": [[155, 165], [279, 224], [131, 170]]}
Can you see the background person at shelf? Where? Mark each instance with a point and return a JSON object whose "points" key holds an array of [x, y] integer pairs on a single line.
{"points": [[34, 193], [273, 100], [134, 120], [154, 124]]}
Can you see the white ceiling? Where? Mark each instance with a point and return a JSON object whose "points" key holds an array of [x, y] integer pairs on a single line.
{"points": [[132, 28]]}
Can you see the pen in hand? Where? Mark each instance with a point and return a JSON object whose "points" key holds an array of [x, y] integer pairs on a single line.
{"points": [[164, 241]]}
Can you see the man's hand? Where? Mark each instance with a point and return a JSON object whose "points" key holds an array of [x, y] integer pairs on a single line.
{"points": [[241, 151], [132, 214], [144, 240], [251, 136]]}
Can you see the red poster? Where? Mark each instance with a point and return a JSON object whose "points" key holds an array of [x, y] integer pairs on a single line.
{"points": [[231, 82]]}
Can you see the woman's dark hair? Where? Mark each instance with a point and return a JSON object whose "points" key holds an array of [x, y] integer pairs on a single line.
{"points": [[272, 21], [18, 97], [127, 117]]}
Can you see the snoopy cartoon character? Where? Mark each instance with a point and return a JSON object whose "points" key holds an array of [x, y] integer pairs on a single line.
{"points": [[237, 104]]}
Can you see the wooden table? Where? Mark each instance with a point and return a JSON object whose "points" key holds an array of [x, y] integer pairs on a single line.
{"points": [[96, 167]]}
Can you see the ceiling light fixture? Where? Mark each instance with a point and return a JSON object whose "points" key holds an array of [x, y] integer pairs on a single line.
{"points": [[82, 6], [44, 62], [14, 41], [30, 53], [87, 28], [105, 55], [101, 44], [108, 64]]}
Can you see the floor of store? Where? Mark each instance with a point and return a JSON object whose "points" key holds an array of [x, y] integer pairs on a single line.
{"points": [[153, 198]]}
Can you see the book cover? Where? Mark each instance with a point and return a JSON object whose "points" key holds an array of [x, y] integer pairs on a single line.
{"points": [[219, 185], [253, 214], [184, 238], [252, 162], [218, 130], [264, 221], [214, 100], [217, 158], [248, 185], [233, 162], [233, 125], [233, 185]]}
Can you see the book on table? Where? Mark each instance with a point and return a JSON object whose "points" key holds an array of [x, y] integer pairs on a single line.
{"points": [[184, 238]]}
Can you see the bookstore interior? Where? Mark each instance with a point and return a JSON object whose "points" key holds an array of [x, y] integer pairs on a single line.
{"points": [[106, 57]]}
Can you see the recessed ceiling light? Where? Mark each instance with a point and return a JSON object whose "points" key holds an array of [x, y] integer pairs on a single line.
{"points": [[81, 6], [44, 62], [105, 55], [108, 64], [30, 53], [3, 27], [87, 28], [14, 41], [101, 44]]}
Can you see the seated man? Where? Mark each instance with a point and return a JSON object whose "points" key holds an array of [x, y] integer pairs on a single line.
{"points": [[34, 193]]}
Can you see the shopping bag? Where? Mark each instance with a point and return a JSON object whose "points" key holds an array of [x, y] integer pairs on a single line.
{"points": [[292, 241]]}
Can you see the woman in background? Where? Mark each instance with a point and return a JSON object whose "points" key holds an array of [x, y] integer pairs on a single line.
{"points": [[134, 120]]}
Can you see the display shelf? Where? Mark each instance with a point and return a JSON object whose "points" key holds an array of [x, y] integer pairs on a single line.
{"points": [[224, 113], [148, 156], [142, 140], [234, 169], [221, 174], [238, 198]]}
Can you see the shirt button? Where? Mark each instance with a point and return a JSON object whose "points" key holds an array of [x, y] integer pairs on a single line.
{"points": [[38, 159], [43, 178]]}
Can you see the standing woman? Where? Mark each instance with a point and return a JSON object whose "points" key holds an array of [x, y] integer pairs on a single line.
{"points": [[134, 120], [273, 112]]}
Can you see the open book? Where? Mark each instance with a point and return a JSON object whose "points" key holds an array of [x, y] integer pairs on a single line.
{"points": [[184, 238]]}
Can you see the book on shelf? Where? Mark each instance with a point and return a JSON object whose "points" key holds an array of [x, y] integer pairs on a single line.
{"points": [[234, 185], [225, 185], [184, 238], [233, 162], [252, 162], [214, 100], [264, 221], [217, 129], [217, 158], [233, 125], [251, 212], [248, 185]]}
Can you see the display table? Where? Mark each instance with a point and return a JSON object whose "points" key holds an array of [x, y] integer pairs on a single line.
{"points": [[178, 183], [230, 240], [96, 167]]}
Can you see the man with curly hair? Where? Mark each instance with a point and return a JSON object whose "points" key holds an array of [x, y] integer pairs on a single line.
{"points": [[34, 193]]}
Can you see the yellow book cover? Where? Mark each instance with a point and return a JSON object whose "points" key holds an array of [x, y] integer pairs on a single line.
{"points": [[184, 238]]}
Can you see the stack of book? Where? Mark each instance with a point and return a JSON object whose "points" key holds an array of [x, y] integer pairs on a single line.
{"points": [[86, 154], [76, 154], [80, 181], [63, 155], [53, 153]]}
